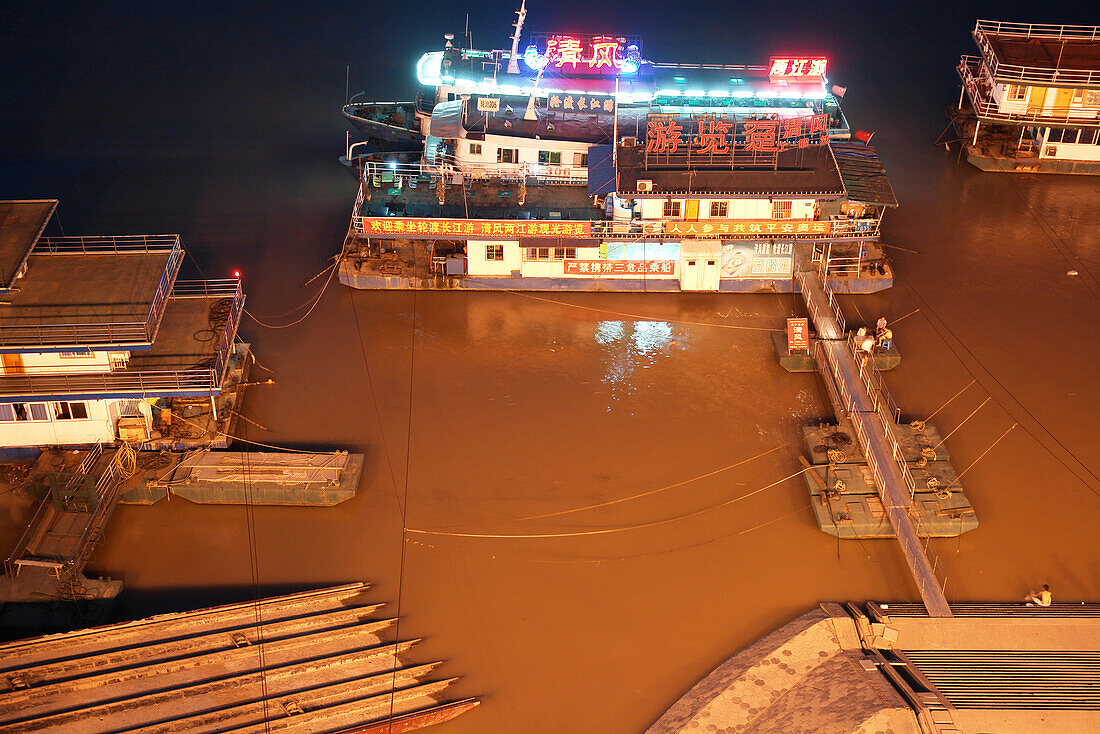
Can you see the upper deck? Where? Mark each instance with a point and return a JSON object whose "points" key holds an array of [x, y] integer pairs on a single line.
{"points": [[1047, 55], [88, 292]]}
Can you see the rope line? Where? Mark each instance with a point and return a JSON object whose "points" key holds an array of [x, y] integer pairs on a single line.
{"points": [[653, 491], [964, 471], [607, 531], [964, 420], [960, 392]]}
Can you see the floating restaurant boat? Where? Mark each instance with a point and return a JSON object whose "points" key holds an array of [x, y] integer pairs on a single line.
{"points": [[1031, 100], [579, 164]]}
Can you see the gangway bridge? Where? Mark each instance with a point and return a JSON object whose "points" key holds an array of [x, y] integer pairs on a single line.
{"points": [[74, 507], [856, 390]]}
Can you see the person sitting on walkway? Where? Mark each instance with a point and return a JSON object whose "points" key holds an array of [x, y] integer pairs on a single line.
{"points": [[1042, 599]]}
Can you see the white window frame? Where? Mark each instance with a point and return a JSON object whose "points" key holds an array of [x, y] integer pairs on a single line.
{"points": [[781, 208], [550, 157], [8, 409], [494, 253], [57, 410], [475, 148], [671, 209], [719, 210], [513, 153]]}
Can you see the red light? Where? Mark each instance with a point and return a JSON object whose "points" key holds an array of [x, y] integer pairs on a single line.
{"points": [[236, 273]]}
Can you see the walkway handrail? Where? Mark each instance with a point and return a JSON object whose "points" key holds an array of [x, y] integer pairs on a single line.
{"points": [[1034, 75], [137, 383], [1037, 30], [136, 244]]}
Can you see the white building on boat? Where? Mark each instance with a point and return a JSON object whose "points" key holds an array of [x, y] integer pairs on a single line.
{"points": [[94, 330]]}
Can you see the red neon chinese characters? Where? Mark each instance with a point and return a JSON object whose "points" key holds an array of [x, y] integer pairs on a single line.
{"points": [[663, 136], [791, 128], [605, 53], [819, 128], [712, 135], [564, 51], [797, 69], [760, 135]]}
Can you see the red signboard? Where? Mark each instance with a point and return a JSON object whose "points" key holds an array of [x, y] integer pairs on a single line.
{"points": [[796, 69], [747, 227], [424, 228], [798, 334], [620, 267], [712, 134]]}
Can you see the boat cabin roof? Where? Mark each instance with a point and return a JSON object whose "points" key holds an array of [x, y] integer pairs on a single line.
{"points": [[807, 172], [21, 224], [1046, 53]]}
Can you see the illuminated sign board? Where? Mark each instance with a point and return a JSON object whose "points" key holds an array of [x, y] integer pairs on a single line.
{"points": [[488, 104], [580, 103], [747, 228], [798, 334], [719, 135], [620, 267], [796, 69], [424, 228], [757, 260], [583, 54]]}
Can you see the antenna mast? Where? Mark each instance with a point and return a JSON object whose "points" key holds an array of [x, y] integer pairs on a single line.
{"points": [[513, 60]]}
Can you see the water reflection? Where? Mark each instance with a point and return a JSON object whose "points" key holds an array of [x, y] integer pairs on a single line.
{"points": [[630, 346]]}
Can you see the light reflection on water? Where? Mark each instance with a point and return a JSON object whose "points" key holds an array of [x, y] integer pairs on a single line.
{"points": [[630, 346]]}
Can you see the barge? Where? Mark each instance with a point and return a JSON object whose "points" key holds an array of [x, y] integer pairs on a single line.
{"points": [[1030, 101]]}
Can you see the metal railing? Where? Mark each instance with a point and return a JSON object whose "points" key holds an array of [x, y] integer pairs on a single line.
{"points": [[137, 383], [106, 244], [1035, 74], [834, 304], [1038, 30], [986, 108], [119, 333], [378, 173]]}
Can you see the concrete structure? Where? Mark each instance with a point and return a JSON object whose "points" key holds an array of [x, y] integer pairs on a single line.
{"points": [[808, 676], [1031, 100], [315, 661], [840, 669], [94, 329]]}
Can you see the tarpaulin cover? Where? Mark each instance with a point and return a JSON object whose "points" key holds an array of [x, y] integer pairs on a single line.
{"points": [[601, 170], [447, 120]]}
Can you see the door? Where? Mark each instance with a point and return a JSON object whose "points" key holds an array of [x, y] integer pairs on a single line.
{"points": [[1061, 102], [689, 274], [1035, 99], [13, 364], [692, 209]]}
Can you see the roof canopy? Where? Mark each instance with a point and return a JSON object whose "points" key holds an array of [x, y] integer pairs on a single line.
{"points": [[864, 177]]}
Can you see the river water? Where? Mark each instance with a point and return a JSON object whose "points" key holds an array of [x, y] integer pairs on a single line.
{"points": [[649, 439]]}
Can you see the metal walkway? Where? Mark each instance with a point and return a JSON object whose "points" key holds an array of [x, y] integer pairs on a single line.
{"points": [[857, 392]]}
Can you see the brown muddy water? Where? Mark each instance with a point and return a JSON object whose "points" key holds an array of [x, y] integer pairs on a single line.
{"points": [[649, 438]]}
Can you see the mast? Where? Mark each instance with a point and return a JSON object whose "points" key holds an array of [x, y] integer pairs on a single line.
{"points": [[513, 60]]}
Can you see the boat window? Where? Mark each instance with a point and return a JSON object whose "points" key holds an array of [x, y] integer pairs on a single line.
{"points": [[719, 209], [1078, 95], [70, 411], [671, 209], [507, 155], [1092, 98], [553, 157], [1017, 91], [475, 148], [580, 160], [781, 209], [494, 252]]}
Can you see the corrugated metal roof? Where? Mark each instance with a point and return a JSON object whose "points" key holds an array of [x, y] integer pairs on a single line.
{"points": [[863, 175]]}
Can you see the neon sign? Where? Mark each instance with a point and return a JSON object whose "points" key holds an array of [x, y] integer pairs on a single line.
{"points": [[593, 55], [797, 69], [719, 136]]}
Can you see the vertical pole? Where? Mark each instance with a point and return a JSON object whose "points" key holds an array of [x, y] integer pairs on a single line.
{"points": [[962, 91], [214, 408], [977, 124], [615, 128]]}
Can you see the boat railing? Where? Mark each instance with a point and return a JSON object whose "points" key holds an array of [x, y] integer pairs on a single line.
{"points": [[981, 98], [380, 172], [1038, 30], [106, 244], [120, 333], [1037, 74], [135, 383]]}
